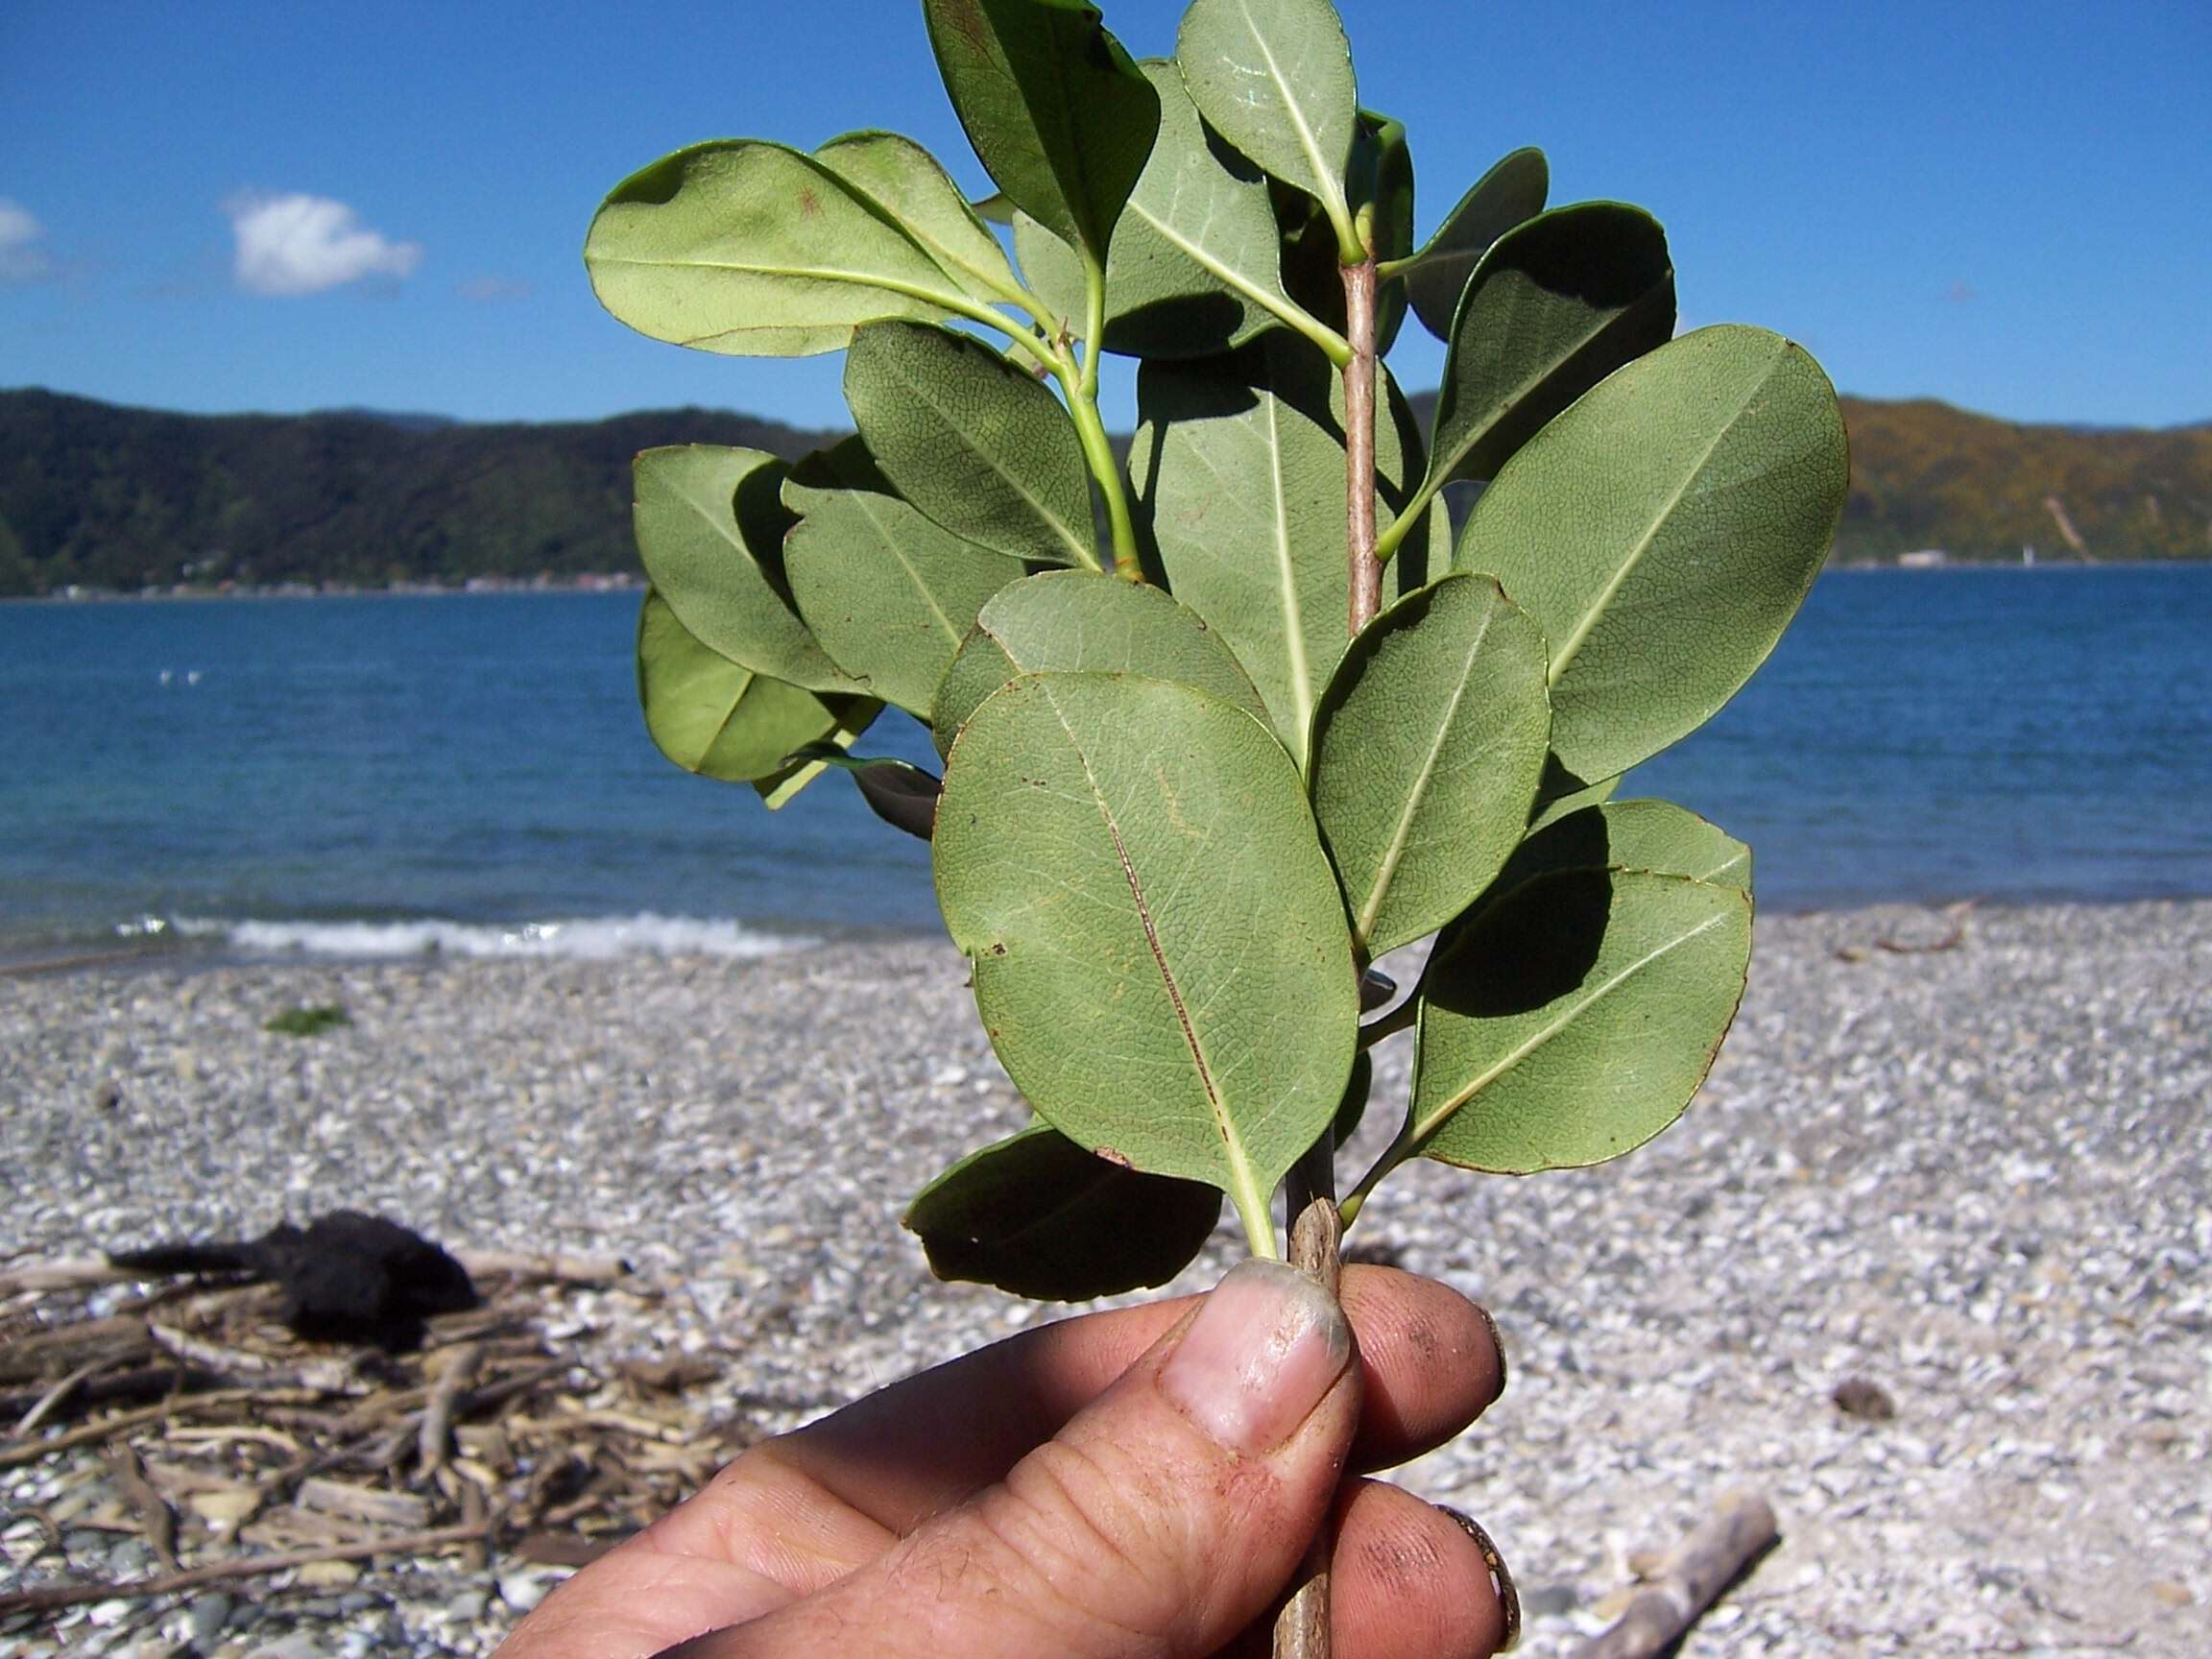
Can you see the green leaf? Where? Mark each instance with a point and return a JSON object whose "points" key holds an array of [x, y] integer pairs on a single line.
{"points": [[975, 441], [1382, 175], [1238, 463], [888, 593], [1073, 621], [1663, 532], [1037, 1215], [1426, 752], [855, 715], [897, 791], [1653, 836], [1055, 109], [1195, 267], [1511, 193], [1574, 1020], [1054, 273], [1553, 309], [710, 524], [1274, 77], [1561, 792], [906, 182], [1379, 177], [754, 249], [716, 717], [1160, 950]]}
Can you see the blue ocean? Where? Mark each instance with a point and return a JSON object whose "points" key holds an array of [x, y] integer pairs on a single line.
{"points": [[385, 774]]}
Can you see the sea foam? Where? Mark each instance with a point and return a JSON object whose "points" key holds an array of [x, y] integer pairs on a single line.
{"points": [[592, 937]]}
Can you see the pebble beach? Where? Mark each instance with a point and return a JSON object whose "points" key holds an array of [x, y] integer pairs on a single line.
{"points": [[1925, 1266]]}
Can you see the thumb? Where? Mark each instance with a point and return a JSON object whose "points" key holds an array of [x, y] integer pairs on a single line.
{"points": [[1160, 1521]]}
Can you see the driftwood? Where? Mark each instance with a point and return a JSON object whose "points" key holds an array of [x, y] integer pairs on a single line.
{"points": [[193, 1416], [52, 1597], [1740, 1530], [434, 1441]]}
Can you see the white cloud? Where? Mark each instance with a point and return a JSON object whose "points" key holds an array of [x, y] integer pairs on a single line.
{"points": [[22, 259], [299, 244]]}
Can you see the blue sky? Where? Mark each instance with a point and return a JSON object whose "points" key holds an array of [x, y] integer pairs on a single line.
{"points": [[2004, 206]]}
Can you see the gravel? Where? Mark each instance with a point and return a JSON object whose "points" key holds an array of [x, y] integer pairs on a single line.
{"points": [[1965, 1183]]}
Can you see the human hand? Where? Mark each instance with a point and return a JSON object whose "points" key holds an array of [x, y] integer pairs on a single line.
{"points": [[1137, 1482]]}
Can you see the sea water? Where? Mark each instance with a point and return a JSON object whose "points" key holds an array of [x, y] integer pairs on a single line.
{"points": [[468, 774]]}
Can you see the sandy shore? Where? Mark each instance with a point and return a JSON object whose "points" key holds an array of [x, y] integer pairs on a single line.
{"points": [[1975, 1178]]}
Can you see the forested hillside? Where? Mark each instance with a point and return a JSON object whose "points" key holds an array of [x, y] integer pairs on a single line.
{"points": [[1924, 474], [110, 497], [113, 498]]}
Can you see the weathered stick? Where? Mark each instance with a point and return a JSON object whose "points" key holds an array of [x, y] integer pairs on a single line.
{"points": [[1316, 1238], [55, 1397], [555, 1269], [49, 1597], [15, 1452], [436, 1438], [154, 1516], [1740, 1530], [64, 1273], [323, 1376]]}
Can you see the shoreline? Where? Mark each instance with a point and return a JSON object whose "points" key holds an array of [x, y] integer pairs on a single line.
{"points": [[634, 581], [536, 939], [1970, 1174]]}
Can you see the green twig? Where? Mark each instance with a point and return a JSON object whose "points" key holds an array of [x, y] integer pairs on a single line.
{"points": [[1098, 452]]}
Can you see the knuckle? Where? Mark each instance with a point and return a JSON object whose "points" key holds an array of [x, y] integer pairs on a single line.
{"points": [[1091, 1537]]}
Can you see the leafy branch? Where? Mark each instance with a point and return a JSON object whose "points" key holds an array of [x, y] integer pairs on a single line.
{"points": [[1183, 814]]}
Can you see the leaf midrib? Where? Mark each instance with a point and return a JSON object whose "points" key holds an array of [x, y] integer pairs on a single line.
{"points": [[890, 539], [1274, 300], [729, 714], [1388, 869], [1081, 551], [1331, 188], [1240, 1169], [951, 303], [1294, 612], [1425, 1128], [1564, 657]]}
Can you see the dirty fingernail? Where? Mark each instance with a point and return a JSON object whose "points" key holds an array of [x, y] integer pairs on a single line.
{"points": [[1267, 1345]]}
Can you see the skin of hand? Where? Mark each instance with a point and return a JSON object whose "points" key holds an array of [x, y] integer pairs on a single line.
{"points": [[1134, 1484]]}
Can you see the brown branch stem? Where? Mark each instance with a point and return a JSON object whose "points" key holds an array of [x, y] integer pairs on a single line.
{"points": [[1302, 1628], [1317, 1228], [1365, 572]]}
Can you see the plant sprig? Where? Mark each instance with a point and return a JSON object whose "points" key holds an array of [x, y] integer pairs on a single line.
{"points": [[1183, 813]]}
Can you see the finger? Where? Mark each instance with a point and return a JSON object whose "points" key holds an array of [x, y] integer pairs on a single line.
{"points": [[1430, 1362], [1405, 1577], [1160, 1521], [799, 1512]]}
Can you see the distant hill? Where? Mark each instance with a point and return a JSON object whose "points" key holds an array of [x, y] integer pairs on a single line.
{"points": [[105, 496], [1924, 474], [1927, 476], [113, 498]]}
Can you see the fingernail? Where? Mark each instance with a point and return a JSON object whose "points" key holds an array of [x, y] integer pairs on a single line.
{"points": [[1501, 1576], [1266, 1346], [1496, 1341]]}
